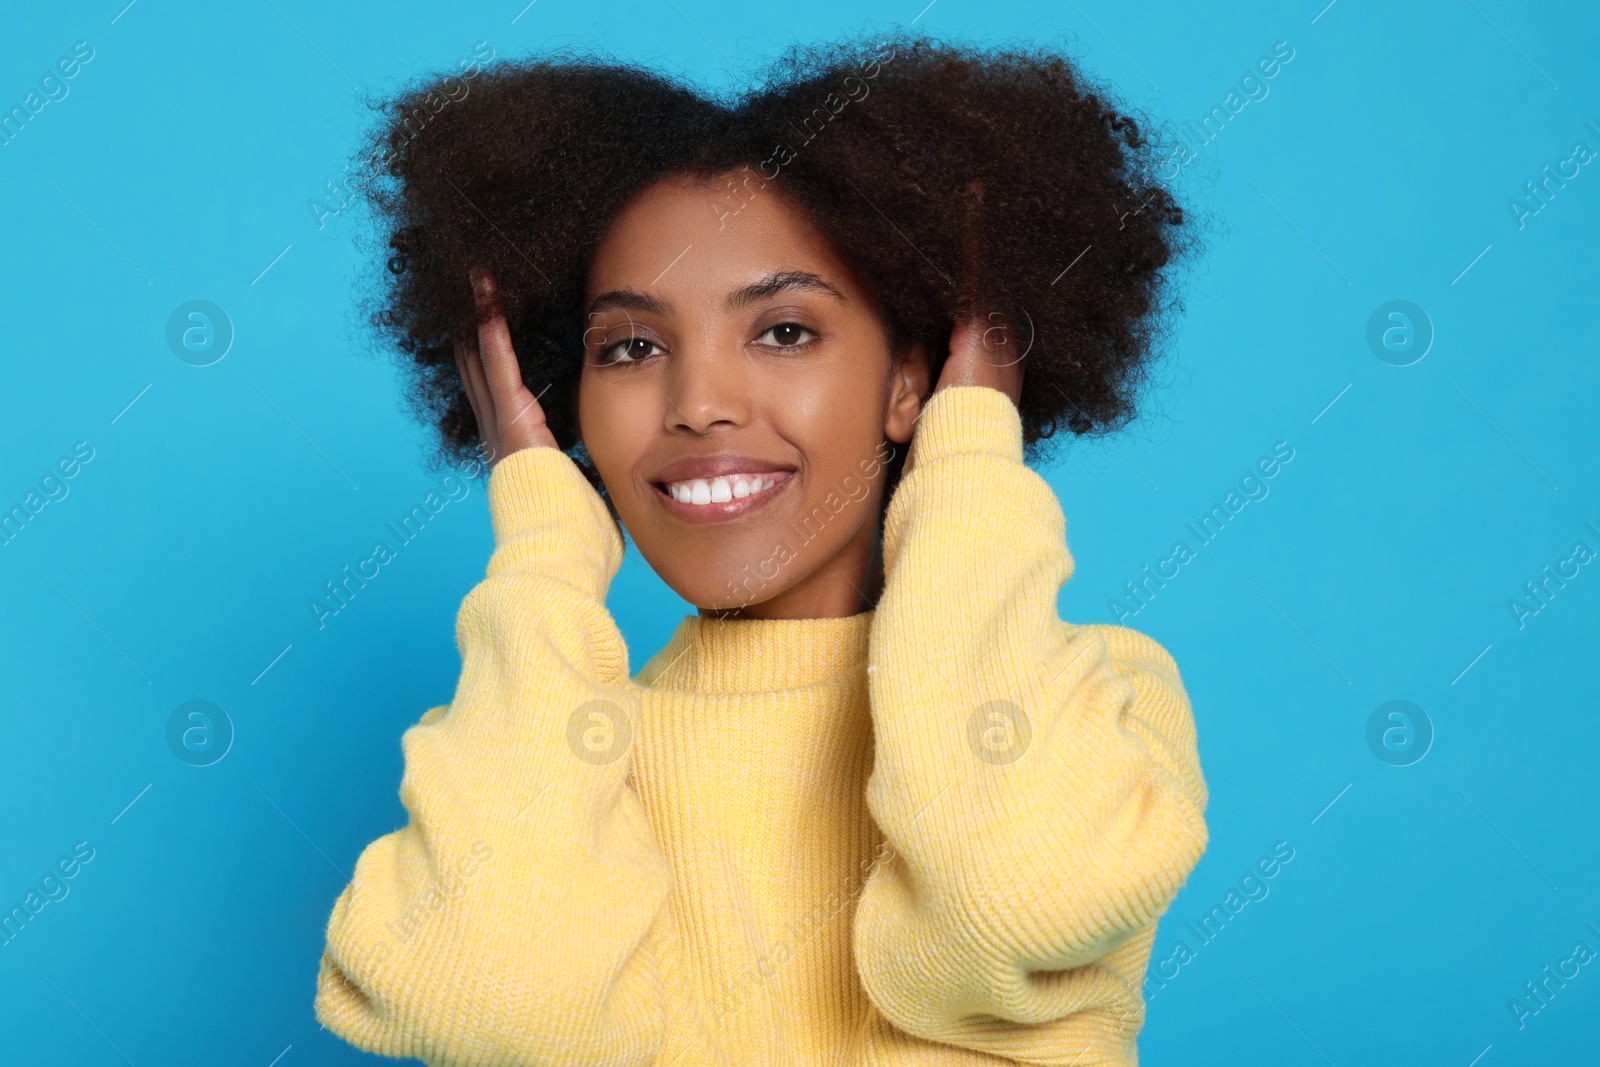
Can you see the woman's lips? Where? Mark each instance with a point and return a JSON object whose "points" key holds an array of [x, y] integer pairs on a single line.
{"points": [[726, 510]]}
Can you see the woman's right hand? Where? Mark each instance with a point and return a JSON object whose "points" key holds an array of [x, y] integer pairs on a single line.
{"points": [[509, 416]]}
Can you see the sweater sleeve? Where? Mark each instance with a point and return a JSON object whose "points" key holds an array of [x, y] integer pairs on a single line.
{"points": [[1038, 782], [508, 921]]}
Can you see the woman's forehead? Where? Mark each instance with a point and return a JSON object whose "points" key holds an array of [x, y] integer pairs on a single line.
{"points": [[688, 239]]}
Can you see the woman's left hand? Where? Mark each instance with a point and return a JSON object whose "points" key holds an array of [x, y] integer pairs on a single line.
{"points": [[983, 352]]}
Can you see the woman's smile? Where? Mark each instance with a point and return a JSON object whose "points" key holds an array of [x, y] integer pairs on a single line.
{"points": [[722, 498]]}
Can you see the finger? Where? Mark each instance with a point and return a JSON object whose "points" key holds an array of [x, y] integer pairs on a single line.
{"points": [[994, 338], [487, 412], [503, 372], [972, 248], [471, 371]]}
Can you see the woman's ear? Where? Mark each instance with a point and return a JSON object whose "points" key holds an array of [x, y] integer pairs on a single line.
{"points": [[908, 389]]}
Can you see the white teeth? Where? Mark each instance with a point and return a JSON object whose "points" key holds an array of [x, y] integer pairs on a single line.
{"points": [[720, 489]]}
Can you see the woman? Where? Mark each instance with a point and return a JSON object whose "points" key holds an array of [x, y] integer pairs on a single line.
{"points": [[875, 803]]}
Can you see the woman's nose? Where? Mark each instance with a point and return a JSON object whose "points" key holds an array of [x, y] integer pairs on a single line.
{"points": [[707, 383]]}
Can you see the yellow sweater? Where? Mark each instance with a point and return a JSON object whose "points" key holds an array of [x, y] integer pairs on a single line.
{"points": [[938, 832]]}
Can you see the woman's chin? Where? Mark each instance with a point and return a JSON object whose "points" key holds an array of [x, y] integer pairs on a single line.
{"points": [[725, 602], [740, 574]]}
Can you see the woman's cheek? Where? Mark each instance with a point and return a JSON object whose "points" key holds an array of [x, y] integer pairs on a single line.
{"points": [[616, 423]]}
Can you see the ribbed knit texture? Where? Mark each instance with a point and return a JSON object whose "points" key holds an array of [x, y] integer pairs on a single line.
{"points": [[938, 832]]}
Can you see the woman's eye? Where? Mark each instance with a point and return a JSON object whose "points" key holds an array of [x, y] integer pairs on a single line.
{"points": [[628, 350], [786, 335]]}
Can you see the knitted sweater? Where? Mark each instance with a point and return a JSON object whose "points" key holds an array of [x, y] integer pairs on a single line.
{"points": [[937, 832]]}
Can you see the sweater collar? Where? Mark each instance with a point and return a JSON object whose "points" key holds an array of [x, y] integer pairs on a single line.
{"points": [[711, 655]]}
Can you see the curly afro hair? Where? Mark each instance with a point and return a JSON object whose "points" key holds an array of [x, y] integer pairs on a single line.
{"points": [[881, 144]]}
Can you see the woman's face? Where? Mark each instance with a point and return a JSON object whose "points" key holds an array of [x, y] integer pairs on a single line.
{"points": [[740, 401]]}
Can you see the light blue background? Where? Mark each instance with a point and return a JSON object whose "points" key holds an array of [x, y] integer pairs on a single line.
{"points": [[1380, 566]]}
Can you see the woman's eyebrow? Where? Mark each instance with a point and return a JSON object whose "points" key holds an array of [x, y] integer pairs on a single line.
{"points": [[784, 281], [771, 285], [629, 300]]}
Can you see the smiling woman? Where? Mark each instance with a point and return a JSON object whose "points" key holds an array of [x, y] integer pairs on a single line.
{"points": [[881, 804], [752, 332]]}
